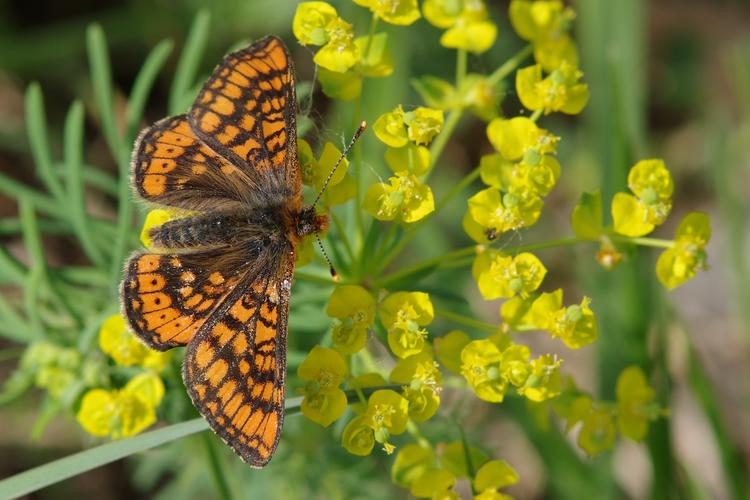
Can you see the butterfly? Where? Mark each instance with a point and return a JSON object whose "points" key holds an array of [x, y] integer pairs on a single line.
{"points": [[218, 279]]}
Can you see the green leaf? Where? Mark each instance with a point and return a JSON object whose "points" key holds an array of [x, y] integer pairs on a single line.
{"points": [[586, 218], [435, 92]]}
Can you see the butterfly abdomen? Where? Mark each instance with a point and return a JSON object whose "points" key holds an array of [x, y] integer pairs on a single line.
{"points": [[197, 231]]}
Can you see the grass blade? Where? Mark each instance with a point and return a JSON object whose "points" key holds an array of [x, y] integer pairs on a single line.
{"points": [[101, 80], [36, 129], [73, 153], [142, 86], [187, 66]]}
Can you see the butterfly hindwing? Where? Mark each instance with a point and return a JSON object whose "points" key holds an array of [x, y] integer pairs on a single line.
{"points": [[166, 298], [246, 112], [234, 368]]}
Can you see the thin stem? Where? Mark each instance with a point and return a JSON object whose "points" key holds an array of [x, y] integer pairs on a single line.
{"points": [[461, 65], [425, 264], [508, 66], [535, 115], [466, 321], [462, 184], [645, 242]]}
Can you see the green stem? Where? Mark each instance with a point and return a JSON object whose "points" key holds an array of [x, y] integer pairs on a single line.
{"points": [[461, 65], [535, 115], [470, 251], [466, 321], [511, 64], [457, 189], [645, 242], [217, 471], [425, 264]]}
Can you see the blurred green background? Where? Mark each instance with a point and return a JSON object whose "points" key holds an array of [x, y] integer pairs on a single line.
{"points": [[668, 78]]}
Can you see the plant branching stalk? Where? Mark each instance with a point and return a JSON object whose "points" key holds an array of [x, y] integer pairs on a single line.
{"points": [[466, 320]]}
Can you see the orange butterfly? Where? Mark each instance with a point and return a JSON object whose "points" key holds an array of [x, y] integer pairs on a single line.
{"points": [[220, 284]]}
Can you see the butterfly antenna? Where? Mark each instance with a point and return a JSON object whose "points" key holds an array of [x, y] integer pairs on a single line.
{"points": [[332, 269], [362, 127]]}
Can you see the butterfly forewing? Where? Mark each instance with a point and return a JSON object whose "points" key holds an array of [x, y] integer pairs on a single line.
{"points": [[246, 111]]}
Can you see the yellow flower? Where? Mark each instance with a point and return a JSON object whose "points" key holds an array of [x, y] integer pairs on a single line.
{"points": [[678, 264], [652, 185], [324, 370], [544, 380], [122, 413], [155, 218], [574, 325], [404, 199], [423, 124], [409, 159], [387, 415], [121, 345], [597, 432], [404, 314], [358, 437], [492, 476], [497, 213], [636, 404], [520, 138], [499, 275], [354, 310], [480, 365], [421, 379], [466, 21], [559, 91], [400, 12], [311, 21], [341, 186], [340, 52]]}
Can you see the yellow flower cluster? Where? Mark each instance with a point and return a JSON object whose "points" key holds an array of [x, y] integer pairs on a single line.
{"points": [[404, 198], [124, 412]]}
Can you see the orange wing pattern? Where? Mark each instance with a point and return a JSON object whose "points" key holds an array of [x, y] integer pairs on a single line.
{"points": [[172, 167], [234, 369], [246, 112], [167, 298]]}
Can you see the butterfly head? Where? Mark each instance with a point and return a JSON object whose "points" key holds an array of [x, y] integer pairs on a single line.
{"points": [[309, 222]]}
